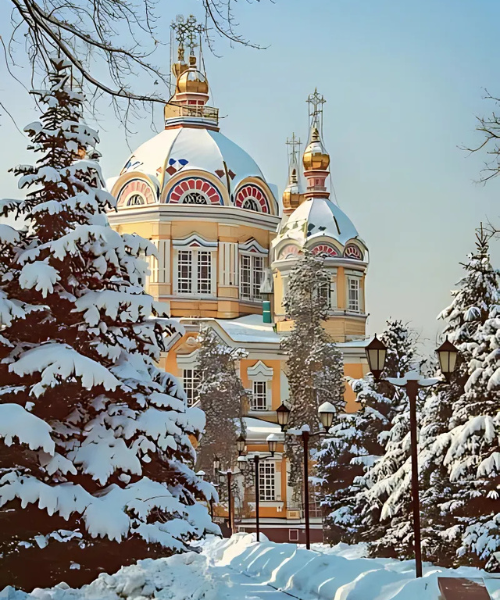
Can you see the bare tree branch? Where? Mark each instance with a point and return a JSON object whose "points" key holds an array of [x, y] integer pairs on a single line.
{"points": [[109, 43]]}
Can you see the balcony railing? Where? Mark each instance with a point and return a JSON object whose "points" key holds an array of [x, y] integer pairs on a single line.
{"points": [[207, 113]]}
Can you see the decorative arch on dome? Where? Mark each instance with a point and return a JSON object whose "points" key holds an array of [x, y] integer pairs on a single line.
{"points": [[194, 190], [325, 250], [288, 251], [252, 197], [353, 251], [136, 192]]}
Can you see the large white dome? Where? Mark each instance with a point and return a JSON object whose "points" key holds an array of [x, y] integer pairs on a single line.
{"points": [[183, 149]]}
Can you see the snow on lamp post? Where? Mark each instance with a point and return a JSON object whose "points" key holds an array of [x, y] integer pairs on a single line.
{"points": [[326, 413], [376, 354]]}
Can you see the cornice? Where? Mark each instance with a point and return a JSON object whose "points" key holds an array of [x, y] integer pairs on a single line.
{"points": [[227, 215]]}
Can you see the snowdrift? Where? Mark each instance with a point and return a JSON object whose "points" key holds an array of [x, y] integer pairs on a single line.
{"points": [[338, 573], [224, 569]]}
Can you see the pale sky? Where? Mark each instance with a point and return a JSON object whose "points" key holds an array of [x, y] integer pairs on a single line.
{"points": [[403, 81]]}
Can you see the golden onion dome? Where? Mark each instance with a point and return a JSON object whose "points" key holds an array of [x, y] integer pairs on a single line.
{"points": [[315, 156], [292, 196], [191, 80]]}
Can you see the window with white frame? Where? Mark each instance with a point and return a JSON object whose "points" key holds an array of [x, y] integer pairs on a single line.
{"points": [[353, 294], [259, 396], [251, 275], [191, 379], [185, 272], [195, 272], [260, 376], [329, 292], [267, 479]]}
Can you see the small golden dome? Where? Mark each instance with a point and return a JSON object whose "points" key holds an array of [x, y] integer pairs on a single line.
{"points": [[192, 81], [292, 197], [315, 156]]}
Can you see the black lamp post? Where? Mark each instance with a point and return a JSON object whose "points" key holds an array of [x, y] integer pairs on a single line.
{"points": [[326, 414], [376, 353], [272, 443]]}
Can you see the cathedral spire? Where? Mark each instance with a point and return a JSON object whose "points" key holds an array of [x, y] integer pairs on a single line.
{"points": [[292, 196], [191, 92], [316, 159]]}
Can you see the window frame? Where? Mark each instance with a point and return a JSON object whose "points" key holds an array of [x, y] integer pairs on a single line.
{"points": [[194, 378], [254, 294], [267, 481], [357, 307], [195, 288], [263, 395]]}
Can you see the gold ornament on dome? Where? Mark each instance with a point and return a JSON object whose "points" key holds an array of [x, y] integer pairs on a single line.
{"points": [[315, 156], [192, 81]]}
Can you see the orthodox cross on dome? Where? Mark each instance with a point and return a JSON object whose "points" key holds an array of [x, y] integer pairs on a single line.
{"points": [[187, 31], [294, 152], [316, 102]]}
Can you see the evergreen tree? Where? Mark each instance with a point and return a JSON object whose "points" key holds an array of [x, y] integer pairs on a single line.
{"points": [[222, 397], [464, 448], [361, 439], [95, 455], [314, 364]]}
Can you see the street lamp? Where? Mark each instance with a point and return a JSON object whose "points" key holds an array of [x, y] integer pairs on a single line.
{"points": [[283, 415], [447, 354], [272, 443], [376, 353], [240, 444], [326, 413]]}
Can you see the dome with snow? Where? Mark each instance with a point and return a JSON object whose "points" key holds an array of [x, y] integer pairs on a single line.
{"points": [[321, 226], [175, 153], [191, 161]]}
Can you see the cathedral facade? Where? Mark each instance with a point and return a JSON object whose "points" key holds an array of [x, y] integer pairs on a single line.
{"points": [[220, 232]]}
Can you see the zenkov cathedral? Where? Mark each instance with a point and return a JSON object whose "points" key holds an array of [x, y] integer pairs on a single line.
{"points": [[221, 232]]}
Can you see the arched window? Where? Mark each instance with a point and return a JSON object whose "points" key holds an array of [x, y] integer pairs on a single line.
{"points": [[251, 197], [325, 250], [194, 190], [352, 251], [194, 198], [135, 200], [250, 204]]}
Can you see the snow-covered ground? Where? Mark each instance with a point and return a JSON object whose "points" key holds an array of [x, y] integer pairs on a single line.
{"points": [[241, 569]]}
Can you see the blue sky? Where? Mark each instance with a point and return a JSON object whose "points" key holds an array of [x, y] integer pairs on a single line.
{"points": [[404, 82]]}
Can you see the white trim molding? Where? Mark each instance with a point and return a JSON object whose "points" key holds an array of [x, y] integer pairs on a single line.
{"points": [[194, 241], [261, 376], [252, 246]]}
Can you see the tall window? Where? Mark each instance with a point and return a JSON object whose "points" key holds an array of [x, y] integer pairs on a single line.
{"points": [[328, 292], [185, 272], [267, 481], [204, 272], [353, 299], [259, 396], [251, 275], [194, 272], [191, 379]]}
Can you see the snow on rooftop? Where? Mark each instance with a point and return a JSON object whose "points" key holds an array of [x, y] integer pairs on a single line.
{"points": [[257, 429], [250, 328], [318, 217], [187, 148]]}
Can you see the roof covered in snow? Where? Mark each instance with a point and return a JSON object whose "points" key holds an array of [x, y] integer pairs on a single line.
{"points": [[258, 429], [250, 328], [318, 218], [187, 148]]}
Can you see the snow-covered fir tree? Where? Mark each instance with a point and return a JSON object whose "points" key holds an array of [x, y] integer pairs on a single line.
{"points": [[95, 451], [460, 446], [347, 459], [314, 364], [222, 396]]}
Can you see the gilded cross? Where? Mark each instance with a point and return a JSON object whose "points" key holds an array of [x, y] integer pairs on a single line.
{"points": [[294, 144]]}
